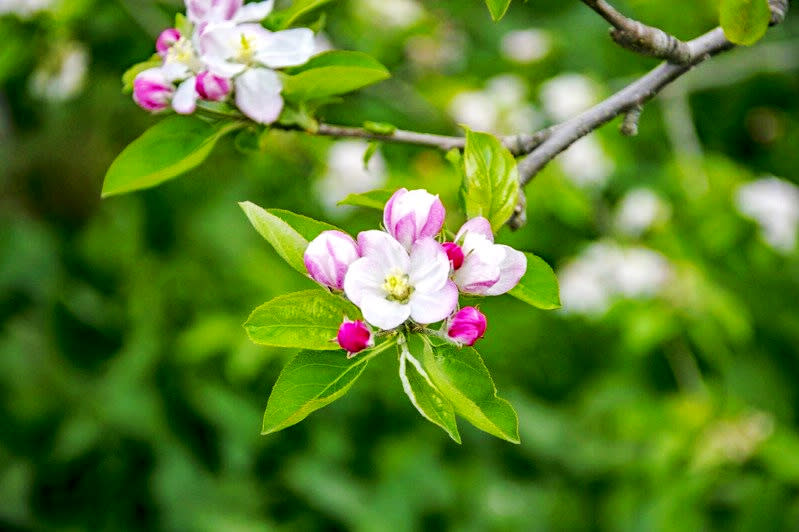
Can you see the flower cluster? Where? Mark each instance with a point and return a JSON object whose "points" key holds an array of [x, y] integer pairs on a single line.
{"points": [[226, 54], [408, 273]]}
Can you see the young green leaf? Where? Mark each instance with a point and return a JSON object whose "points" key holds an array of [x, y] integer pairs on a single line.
{"points": [[462, 378], [539, 286], [309, 319], [744, 21], [379, 128], [374, 199], [279, 20], [490, 186], [310, 381], [423, 393], [497, 8], [166, 150], [331, 73], [307, 227], [288, 243]]}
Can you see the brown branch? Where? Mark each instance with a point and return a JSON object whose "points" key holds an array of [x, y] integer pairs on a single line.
{"points": [[626, 101], [639, 37]]}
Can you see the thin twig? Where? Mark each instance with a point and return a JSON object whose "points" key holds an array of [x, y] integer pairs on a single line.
{"points": [[639, 37], [521, 144]]}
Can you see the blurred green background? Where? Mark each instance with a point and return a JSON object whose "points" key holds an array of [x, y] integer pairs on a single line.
{"points": [[662, 397]]}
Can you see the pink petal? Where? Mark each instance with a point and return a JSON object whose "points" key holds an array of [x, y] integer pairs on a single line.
{"points": [[478, 225], [511, 270]]}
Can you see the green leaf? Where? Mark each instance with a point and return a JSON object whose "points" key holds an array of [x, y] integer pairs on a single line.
{"points": [[166, 150], [423, 394], [497, 8], [309, 319], [307, 227], [371, 149], [490, 186], [310, 381], [539, 286], [374, 199], [131, 73], [288, 243], [331, 73], [183, 25], [279, 20], [380, 128], [744, 21], [462, 378]]}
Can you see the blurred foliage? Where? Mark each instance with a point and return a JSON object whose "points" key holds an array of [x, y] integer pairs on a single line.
{"points": [[132, 399]]}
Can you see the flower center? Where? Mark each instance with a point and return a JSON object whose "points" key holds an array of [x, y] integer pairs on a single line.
{"points": [[397, 287], [246, 50]]}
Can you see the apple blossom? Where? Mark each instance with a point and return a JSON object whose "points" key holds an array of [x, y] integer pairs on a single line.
{"points": [[212, 87], [354, 337], [205, 11], [488, 269], [328, 256], [165, 40], [411, 215], [248, 53], [152, 91], [390, 285], [466, 326]]}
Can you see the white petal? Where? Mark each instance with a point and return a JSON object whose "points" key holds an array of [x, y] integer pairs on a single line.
{"points": [[219, 43], [175, 70], [383, 249], [511, 270], [254, 12], [364, 276], [258, 95], [477, 225], [286, 48], [383, 313], [479, 272], [430, 307], [429, 265], [185, 99]]}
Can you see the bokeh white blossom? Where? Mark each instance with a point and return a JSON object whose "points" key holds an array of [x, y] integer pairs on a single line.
{"points": [[24, 8], [586, 164], [345, 174], [639, 210], [502, 107], [526, 46], [62, 76], [566, 95], [774, 204], [605, 272]]}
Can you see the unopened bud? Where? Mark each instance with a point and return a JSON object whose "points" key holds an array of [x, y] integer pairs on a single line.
{"points": [[165, 40], [467, 326], [354, 337]]}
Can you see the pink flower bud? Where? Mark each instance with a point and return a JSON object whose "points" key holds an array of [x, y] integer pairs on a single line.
{"points": [[165, 41], [212, 87], [411, 215], [454, 253], [152, 91], [354, 336], [328, 257], [467, 326]]}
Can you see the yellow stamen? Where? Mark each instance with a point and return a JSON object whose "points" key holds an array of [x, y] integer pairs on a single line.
{"points": [[397, 287]]}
